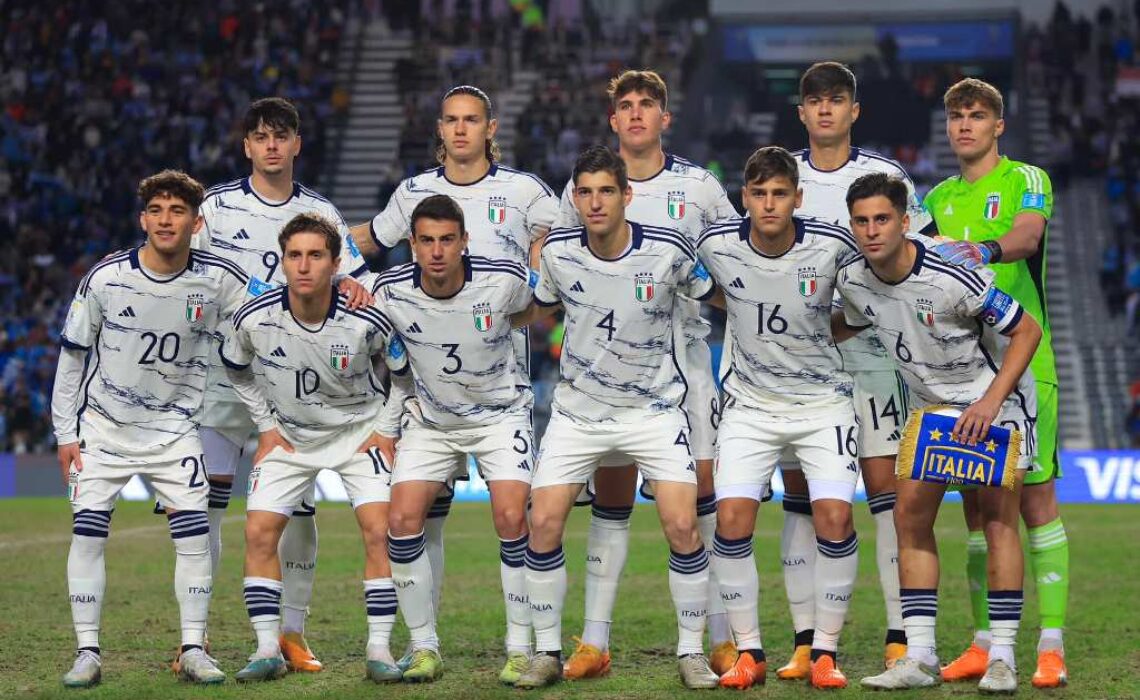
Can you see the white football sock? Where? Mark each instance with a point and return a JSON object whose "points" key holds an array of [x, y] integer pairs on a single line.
{"points": [[1005, 617], [920, 611], [887, 555], [380, 606], [512, 573], [220, 492], [607, 546], [689, 588], [835, 572], [735, 567], [433, 538], [87, 575], [546, 589], [298, 553], [193, 580], [717, 618], [797, 551], [263, 603], [412, 575]]}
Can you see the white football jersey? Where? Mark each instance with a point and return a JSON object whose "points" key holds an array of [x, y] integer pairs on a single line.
{"points": [[242, 227], [934, 323], [504, 212], [825, 198], [683, 197], [618, 359], [151, 338], [318, 381], [784, 360], [460, 348]]}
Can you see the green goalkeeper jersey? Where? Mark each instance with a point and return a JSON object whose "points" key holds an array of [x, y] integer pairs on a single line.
{"points": [[983, 211]]}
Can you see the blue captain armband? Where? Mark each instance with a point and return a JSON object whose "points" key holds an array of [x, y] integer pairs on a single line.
{"points": [[1000, 311]]}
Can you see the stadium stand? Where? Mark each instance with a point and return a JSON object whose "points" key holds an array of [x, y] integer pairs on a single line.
{"points": [[92, 103]]}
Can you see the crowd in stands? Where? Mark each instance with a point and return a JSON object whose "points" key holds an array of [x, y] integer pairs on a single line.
{"points": [[97, 95]]}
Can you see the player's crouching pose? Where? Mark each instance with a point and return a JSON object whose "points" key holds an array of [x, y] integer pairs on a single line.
{"points": [[317, 404], [469, 397], [940, 321], [620, 393], [147, 319], [787, 390]]}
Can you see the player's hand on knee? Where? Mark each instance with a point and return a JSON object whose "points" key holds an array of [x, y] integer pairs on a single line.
{"points": [[975, 422], [386, 445], [268, 441], [357, 295], [69, 455]]}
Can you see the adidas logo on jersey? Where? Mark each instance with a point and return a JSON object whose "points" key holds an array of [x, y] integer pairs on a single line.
{"points": [[127, 312], [895, 437], [241, 235], [577, 287], [414, 328], [737, 283], [949, 210], [868, 312], [279, 352]]}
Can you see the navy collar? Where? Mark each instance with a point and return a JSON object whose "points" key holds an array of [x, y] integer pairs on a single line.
{"points": [[417, 277], [919, 256], [332, 304], [439, 172], [745, 232], [806, 158], [636, 236], [667, 165], [247, 187], [136, 264]]}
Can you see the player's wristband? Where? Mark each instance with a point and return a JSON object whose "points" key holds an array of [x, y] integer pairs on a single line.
{"points": [[995, 250]]}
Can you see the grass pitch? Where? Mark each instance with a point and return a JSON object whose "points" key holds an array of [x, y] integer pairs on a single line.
{"points": [[140, 617]]}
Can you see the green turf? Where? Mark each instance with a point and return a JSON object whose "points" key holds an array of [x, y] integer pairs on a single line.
{"points": [[141, 619]]}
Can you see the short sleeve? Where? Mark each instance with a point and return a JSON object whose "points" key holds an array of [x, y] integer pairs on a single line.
{"points": [[567, 213], [1034, 191], [391, 226], [521, 292], [234, 293], [541, 212], [720, 208], [697, 283], [236, 350], [987, 303], [853, 317], [84, 318], [546, 289], [351, 261]]}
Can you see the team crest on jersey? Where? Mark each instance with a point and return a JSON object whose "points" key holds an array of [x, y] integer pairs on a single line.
{"points": [[993, 206], [808, 284], [194, 304], [497, 209], [643, 286], [924, 310], [482, 314], [676, 205], [339, 357]]}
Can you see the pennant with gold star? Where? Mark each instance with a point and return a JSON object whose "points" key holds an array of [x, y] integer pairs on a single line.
{"points": [[927, 452]]}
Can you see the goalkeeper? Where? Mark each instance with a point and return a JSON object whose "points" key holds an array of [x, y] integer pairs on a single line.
{"points": [[996, 213]]}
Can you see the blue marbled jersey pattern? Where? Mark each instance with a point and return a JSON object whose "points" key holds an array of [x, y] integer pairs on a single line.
{"points": [[619, 363], [460, 349], [151, 340], [318, 380], [784, 360]]}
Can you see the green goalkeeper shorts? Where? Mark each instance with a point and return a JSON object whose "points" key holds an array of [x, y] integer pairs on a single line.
{"points": [[1046, 466]]}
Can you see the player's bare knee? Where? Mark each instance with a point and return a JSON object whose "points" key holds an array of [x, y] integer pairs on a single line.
{"points": [[404, 521], [735, 519], [1039, 504], [510, 521], [681, 532], [261, 537], [832, 519]]}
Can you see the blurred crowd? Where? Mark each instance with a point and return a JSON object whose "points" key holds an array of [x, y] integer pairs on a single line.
{"points": [[97, 95]]}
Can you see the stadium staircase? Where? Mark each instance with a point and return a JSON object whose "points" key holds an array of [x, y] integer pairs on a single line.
{"points": [[512, 102], [1085, 339], [367, 141]]}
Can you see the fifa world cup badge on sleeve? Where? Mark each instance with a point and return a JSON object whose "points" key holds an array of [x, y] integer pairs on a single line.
{"points": [[928, 453]]}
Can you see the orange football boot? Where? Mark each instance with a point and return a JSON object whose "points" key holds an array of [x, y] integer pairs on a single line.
{"points": [[745, 673], [798, 667], [825, 675], [723, 658], [970, 666], [893, 653], [1051, 671], [298, 657], [587, 661]]}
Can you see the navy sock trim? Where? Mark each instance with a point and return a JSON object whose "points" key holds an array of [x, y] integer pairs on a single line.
{"points": [[881, 502], [732, 549], [545, 561], [405, 550], [91, 523], [796, 503], [919, 602], [706, 505], [1005, 605], [188, 523], [692, 563], [220, 492], [838, 550], [612, 513], [380, 601], [513, 552]]}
